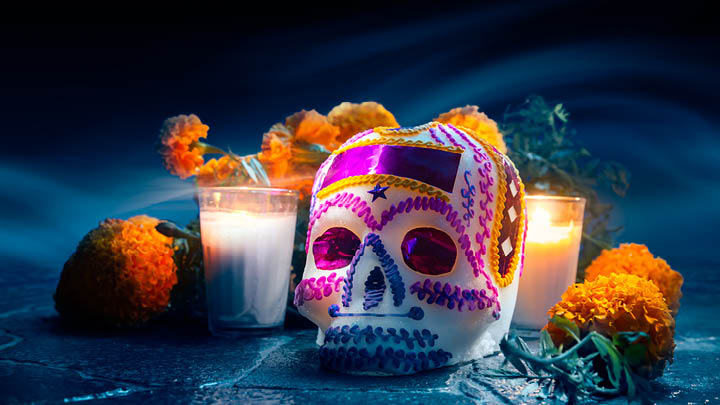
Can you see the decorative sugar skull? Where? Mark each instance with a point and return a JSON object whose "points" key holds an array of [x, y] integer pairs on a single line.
{"points": [[415, 247]]}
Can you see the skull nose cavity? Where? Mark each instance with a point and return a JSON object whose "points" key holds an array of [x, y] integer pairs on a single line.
{"points": [[374, 288]]}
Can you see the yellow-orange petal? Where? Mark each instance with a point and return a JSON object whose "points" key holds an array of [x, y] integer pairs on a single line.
{"points": [[352, 118], [636, 259], [471, 118]]}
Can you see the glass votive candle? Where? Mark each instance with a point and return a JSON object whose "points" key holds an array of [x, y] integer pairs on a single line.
{"points": [[247, 238], [552, 247]]}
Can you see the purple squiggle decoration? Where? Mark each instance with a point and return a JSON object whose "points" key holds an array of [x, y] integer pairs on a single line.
{"points": [[450, 137], [451, 215], [435, 137], [343, 200], [452, 296], [314, 289]]}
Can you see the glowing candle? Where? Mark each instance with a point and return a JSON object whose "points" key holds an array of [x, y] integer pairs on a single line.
{"points": [[247, 237], [551, 255]]}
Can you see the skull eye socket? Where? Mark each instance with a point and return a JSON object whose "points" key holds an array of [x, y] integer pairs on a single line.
{"points": [[335, 248], [429, 251]]}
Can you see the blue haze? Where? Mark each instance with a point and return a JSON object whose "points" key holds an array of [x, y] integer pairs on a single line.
{"points": [[81, 113]]}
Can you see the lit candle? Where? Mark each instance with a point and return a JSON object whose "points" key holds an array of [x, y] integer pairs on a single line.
{"points": [[551, 256], [247, 237]]}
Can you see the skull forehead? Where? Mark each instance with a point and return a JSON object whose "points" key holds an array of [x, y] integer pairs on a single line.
{"points": [[452, 157]]}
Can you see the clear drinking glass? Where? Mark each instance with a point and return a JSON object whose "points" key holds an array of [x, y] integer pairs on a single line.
{"points": [[247, 237], [552, 246]]}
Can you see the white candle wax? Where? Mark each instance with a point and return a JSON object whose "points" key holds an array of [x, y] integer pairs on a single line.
{"points": [[551, 257], [247, 268]]}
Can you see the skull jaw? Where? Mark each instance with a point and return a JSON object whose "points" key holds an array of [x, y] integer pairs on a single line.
{"points": [[350, 346], [364, 348]]}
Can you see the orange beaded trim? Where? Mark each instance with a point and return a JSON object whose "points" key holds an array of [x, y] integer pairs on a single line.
{"points": [[387, 179], [497, 158], [400, 142], [390, 131]]}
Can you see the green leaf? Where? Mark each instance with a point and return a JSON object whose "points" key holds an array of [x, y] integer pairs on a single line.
{"points": [[518, 364], [624, 339], [568, 326], [543, 149], [631, 391], [636, 354], [611, 356], [547, 346]]}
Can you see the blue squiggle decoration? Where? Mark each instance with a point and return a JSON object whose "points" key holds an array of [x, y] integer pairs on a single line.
{"points": [[374, 288], [397, 287], [343, 334], [349, 356], [348, 281], [388, 358], [468, 195]]}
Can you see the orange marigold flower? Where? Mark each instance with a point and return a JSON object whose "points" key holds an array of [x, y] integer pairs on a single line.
{"points": [[226, 166], [313, 127], [619, 303], [636, 259], [180, 137], [206, 174], [276, 151], [121, 273], [218, 172], [352, 118], [469, 117]]}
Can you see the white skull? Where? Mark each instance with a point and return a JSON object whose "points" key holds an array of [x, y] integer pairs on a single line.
{"points": [[415, 247]]}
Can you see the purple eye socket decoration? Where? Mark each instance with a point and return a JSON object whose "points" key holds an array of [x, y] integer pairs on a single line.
{"points": [[335, 248], [429, 251]]}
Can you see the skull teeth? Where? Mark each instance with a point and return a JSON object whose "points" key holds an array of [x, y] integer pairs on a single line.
{"points": [[351, 348]]}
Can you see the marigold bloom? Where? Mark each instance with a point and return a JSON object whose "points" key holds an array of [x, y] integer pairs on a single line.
{"points": [[619, 303], [352, 118], [180, 137], [312, 127], [226, 167], [276, 151], [469, 117], [121, 274], [636, 259], [205, 176]]}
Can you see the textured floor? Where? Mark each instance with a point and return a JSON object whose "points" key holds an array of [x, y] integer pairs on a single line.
{"points": [[43, 361]]}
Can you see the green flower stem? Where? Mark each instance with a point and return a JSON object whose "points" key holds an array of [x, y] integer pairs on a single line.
{"points": [[207, 148], [596, 242]]}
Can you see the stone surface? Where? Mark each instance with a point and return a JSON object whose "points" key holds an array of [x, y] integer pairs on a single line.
{"points": [[44, 360]]}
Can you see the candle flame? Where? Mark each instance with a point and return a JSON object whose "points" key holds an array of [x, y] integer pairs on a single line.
{"points": [[540, 228]]}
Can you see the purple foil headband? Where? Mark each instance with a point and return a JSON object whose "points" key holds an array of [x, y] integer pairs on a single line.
{"points": [[434, 167]]}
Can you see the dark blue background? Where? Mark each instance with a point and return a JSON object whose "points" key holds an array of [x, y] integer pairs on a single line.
{"points": [[81, 105]]}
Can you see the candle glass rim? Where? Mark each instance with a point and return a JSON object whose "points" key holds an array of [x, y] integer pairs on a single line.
{"points": [[267, 190], [555, 198]]}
